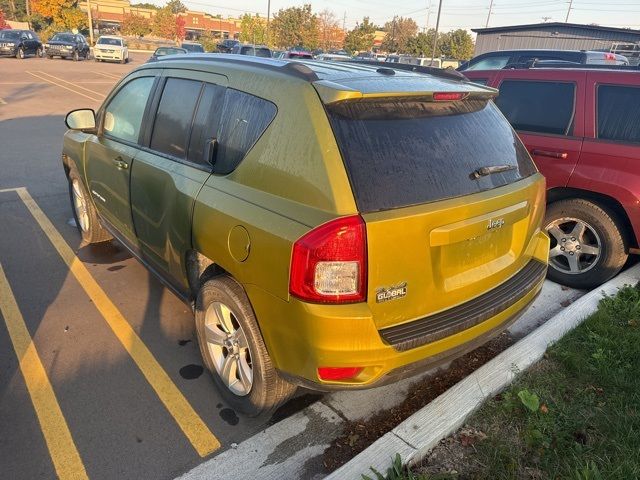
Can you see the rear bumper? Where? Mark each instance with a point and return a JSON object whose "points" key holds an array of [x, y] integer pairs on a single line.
{"points": [[301, 337], [115, 56]]}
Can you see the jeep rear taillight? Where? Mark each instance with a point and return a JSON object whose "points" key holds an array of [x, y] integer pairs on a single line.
{"points": [[329, 264]]}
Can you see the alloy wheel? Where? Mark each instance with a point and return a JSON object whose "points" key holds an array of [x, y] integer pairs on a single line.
{"points": [[229, 348], [575, 246]]}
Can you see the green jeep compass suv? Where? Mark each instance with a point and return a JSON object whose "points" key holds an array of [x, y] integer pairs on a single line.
{"points": [[334, 225]]}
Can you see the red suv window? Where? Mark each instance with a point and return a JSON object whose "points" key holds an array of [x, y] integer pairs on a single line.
{"points": [[619, 113]]}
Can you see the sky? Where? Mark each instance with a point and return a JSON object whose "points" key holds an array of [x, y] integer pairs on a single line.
{"points": [[464, 14]]}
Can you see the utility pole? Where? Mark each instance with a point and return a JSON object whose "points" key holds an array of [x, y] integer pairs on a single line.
{"points": [[26, 4], [428, 15], [435, 35], [268, 17], [566, 20], [90, 18], [489, 16], [344, 22]]}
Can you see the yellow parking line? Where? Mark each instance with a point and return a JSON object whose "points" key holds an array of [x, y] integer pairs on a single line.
{"points": [[108, 75], [62, 86], [202, 439], [2, 101], [65, 456], [72, 84]]}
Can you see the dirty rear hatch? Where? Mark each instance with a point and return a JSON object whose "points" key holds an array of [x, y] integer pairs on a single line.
{"points": [[450, 197]]}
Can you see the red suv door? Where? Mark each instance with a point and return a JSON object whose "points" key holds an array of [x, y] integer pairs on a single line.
{"points": [[610, 159], [547, 110]]}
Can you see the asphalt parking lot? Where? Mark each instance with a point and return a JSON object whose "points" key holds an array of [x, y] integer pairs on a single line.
{"points": [[100, 373]]}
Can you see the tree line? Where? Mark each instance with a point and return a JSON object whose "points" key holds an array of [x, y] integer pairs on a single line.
{"points": [[289, 28]]}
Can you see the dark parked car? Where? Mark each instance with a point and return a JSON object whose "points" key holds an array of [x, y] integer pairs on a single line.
{"points": [[225, 46], [299, 54], [164, 51], [67, 45], [582, 128], [192, 47], [254, 50], [517, 58], [19, 43]]}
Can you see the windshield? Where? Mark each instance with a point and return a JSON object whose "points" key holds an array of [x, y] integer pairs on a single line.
{"points": [[9, 35], [63, 37], [110, 41], [401, 152], [193, 47]]}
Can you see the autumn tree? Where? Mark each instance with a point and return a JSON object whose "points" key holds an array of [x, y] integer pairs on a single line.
{"points": [[456, 44], [331, 35], [421, 45], [135, 25], [361, 38], [176, 6], [253, 29], [59, 14], [296, 27], [167, 25], [3, 23], [399, 31]]}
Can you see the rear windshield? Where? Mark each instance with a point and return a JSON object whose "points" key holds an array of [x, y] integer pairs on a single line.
{"points": [[401, 152]]}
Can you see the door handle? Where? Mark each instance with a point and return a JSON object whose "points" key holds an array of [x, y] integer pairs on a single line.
{"points": [[548, 153], [120, 163]]}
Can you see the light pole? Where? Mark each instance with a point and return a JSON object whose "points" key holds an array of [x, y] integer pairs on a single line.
{"points": [[268, 15], [90, 22], [489, 16], [435, 35], [568, 12]]}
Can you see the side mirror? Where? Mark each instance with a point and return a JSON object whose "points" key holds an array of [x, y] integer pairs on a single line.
{"points": [[83, 119]]}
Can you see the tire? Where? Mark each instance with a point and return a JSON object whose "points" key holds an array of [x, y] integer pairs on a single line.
{"points": [[50, 57], [576, 227], [97, 59], [266, 390], [40, 53], [76, 56], [123, 61], [86, 218], [20, 54]]}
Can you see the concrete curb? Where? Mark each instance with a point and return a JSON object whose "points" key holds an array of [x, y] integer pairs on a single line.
{"points": [[414, 437]]}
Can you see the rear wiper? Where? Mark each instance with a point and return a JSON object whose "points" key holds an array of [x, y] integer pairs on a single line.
{"points": [[484, 171]]}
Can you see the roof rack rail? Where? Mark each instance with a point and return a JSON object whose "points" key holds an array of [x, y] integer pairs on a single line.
{"points": [[294, 69], [449, 74], [566, 64]]}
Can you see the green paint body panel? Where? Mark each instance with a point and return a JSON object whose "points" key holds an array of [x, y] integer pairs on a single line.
{"points": [[294, 179]]}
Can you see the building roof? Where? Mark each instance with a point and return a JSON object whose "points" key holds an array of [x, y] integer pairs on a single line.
{"points": [[512, 28]]}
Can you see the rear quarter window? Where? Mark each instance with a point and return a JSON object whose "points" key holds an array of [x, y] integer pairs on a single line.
{"points": [[401, 152], [244, 119], [542, 107], [619, 113]]}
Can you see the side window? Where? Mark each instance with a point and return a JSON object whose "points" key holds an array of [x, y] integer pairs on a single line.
{"points": [[123, 115], [544, 107], [206, 122], [175, 114], [618, 117], [244, 119]]}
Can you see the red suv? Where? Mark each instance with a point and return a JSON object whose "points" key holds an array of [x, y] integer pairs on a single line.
{"points": [[582, 128]]}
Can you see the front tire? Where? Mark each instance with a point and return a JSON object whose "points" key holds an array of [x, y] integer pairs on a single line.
{"points": [[40, 53], [20, 54], [76, 56], [587, 243], [234, 351], [85, 213]]}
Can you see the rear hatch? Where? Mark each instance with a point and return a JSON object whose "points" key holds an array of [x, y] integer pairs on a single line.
{"points": [[449, 195]]}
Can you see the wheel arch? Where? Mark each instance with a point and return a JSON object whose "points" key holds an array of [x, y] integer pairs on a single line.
{"points": [[200, 268], [606, 202]]}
